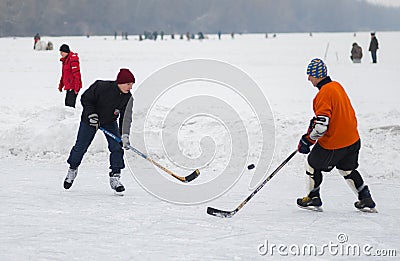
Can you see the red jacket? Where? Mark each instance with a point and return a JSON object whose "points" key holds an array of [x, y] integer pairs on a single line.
{"points": [[71, 73]]}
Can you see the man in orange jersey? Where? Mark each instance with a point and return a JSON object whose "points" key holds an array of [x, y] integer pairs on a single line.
{"points": [[334, 132]]}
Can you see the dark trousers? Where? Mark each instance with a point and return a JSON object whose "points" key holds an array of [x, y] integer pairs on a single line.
{"points": [[373, 55], [70, 98], [345, 159], [85, 137]]}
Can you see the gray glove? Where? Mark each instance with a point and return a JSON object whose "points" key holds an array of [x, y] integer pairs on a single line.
{"points": [[125, 141], [94, 120]]}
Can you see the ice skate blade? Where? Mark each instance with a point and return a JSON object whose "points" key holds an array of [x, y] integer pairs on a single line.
{"points": [[368, 210], [121, 194], [312, 208]]}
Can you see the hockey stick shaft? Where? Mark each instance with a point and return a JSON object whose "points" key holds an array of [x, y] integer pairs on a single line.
{"points": [[189, 178], [228, 214], [326, 51]]}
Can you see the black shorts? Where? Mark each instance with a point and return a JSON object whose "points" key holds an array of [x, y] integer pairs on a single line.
{"points": [[343, 159]]}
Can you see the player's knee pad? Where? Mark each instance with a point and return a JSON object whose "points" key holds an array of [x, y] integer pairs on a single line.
{"points": [[315, 178], [309, 169], [353, 178], [345, 173]]}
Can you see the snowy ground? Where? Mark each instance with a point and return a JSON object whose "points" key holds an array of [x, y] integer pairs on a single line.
{"points": [[41, 221]]}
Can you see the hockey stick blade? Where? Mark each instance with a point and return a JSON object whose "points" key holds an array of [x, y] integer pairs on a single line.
{"points": [[192, 176], [186, 179], [220, 213]]}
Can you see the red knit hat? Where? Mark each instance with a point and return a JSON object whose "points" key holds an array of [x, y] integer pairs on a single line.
{"points": [[125, 76]]}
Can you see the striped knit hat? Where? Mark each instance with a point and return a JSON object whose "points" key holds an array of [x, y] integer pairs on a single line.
{"points": [[317, 68]]}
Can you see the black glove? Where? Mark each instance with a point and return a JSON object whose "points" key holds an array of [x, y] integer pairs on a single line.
{"points": [[94, 120], [304, 144]]}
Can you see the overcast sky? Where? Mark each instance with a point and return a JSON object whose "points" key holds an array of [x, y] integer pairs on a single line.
{"points": [[386, 2]]}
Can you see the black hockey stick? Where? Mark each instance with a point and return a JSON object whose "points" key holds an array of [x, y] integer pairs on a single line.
{"points": [[229, 214], [186, 179]]}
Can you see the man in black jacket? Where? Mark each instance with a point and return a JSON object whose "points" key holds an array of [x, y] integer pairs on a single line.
{"points": [[373, 47], [103, 103]]}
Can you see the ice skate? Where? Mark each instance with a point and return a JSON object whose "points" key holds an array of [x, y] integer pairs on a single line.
{"points": [[71, 175], [308, 203], [115, 182], [365, 202]]}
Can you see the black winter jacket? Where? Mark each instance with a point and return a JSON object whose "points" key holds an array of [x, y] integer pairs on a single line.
{"points": [[373, 45], [106, 99]]}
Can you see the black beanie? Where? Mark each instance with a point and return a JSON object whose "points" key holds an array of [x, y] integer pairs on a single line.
{"points": [[64, 48]]}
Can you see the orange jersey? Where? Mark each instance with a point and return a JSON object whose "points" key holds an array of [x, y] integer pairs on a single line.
{"points": [[333, 102]]}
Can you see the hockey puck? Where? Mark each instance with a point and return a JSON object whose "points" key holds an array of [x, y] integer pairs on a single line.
{"points": [[251, 166]]}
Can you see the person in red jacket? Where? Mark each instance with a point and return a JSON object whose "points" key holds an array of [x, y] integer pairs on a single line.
{"points": [[36, 39], [334, 132], [71, 75]]}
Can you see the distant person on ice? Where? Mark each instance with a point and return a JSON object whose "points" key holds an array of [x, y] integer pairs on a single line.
{"points": [[71, 75], [334, 132], [373, 47], [103, 103], [36, 39], [356, 53]]}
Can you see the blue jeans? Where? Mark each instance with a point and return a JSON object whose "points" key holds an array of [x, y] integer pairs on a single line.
{"points": [[373, 55], [85, 137]]}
